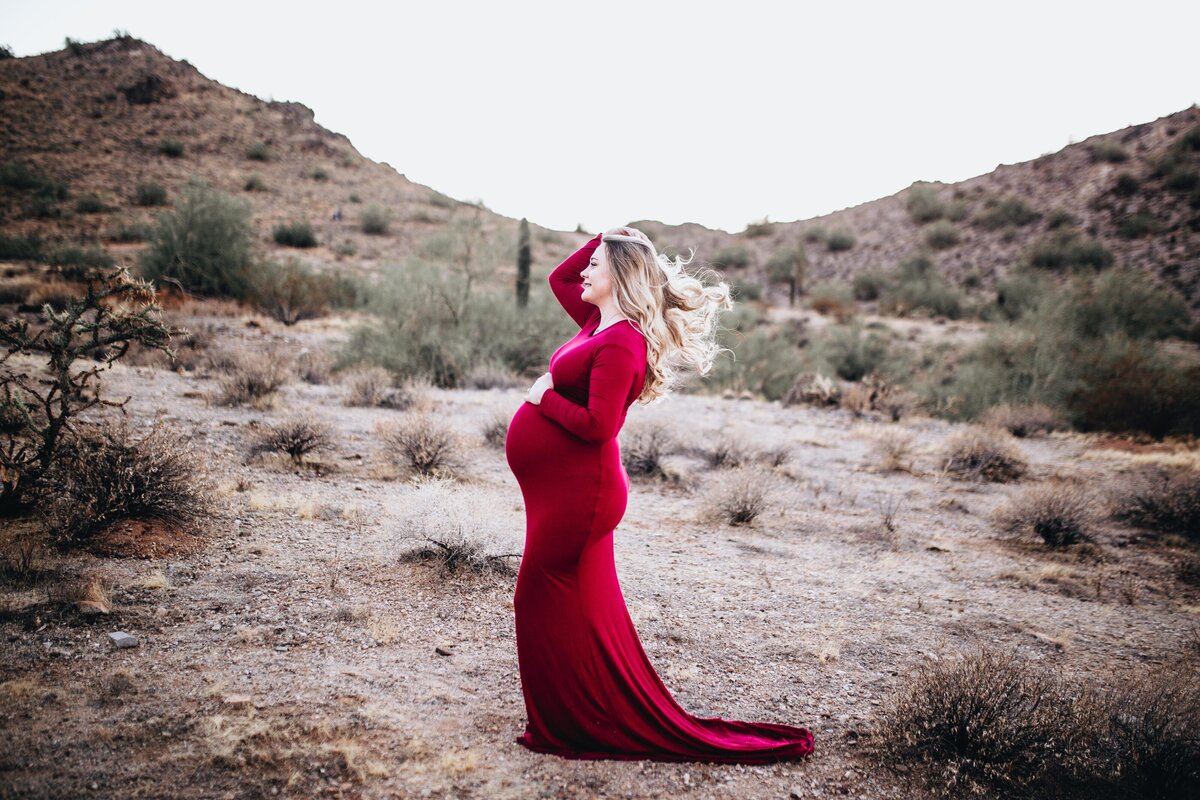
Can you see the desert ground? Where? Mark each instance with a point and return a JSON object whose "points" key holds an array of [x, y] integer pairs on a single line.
{"points": [[294, 652]]}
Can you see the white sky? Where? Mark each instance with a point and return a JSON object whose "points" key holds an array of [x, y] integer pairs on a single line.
{"points": [[606, 112]]}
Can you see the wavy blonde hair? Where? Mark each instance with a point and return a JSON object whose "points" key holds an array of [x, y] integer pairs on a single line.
{"points": [[676, 311]]}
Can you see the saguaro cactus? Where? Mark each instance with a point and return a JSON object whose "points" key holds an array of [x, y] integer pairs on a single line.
{"points": [[524, 259]]}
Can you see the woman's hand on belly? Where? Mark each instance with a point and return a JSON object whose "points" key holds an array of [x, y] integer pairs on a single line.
{"points": [[544, 382]]}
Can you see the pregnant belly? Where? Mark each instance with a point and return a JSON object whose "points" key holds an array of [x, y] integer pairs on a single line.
{"points": [[544, 456]]}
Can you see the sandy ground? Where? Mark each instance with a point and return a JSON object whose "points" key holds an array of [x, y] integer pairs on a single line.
{"points": [[296, 655]]}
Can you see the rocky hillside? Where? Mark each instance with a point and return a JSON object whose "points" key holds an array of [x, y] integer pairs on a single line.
{"points": [[103, 118]]}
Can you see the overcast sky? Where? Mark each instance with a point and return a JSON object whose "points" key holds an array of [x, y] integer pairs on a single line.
{"points": [[602, 113]]}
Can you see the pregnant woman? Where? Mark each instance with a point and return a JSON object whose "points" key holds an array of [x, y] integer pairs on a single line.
{"points": [[590, 690]]}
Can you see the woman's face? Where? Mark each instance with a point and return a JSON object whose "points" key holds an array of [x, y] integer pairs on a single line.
{"points": [[597, 283]]}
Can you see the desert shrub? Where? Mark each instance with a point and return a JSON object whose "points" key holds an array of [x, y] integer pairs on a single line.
{"points": [[1023, 420], [115, 311], [423, 444], [980, 453], [727, 451], [933, 294], [1005, 212], [319, 174], [289, 292], [254, 183], [375, 219], [23, 248], [942, 235], [454, 531], [1110, 151], [644, 448], [832, 298], [107, 476], [812, 388], [126, 232], [892, 448], [1135, 226], [172, 148], [851, 351], [745, 289], [839, 239], [1058, 511], [150, 194], [313, 366], [1067, 249], [20, 176], [297, 437], [295, 234], [495, 429], [762, 361], [258, 152], [203, 245], [1018, 292], [252, 378], [487, 375], [984, 724], [923, 204], [741, 495], [76, 263], [376, 387], [90, 204], [869, 285], [1162, 499], [732, 257], [1126, 184]]}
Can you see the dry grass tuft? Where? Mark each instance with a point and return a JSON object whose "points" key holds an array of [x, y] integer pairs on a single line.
{"points": [[1023, 420], [423, 444], [495, 429], [296, 437], [892, 448], [644, 446], [252, 379], [984, 454], [1059, 511], [741, 496], [1161, 499], [455, 529]]}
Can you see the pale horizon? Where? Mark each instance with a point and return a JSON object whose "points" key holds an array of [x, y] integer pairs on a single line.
{"points": [[783, 113]]}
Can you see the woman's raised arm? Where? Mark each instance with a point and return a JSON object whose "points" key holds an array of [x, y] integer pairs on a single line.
{"points": [[567, 283]]}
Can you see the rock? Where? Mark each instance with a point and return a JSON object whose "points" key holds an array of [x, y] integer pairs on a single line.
{"points": [[238, 700], [444, 649], [122, 639]]}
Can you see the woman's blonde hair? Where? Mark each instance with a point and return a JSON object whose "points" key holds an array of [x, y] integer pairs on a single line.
{"points": [[676, 312]]}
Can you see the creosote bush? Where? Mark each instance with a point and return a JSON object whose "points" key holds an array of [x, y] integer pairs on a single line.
{"points": [[1160, 498], [495, 429], [1023, 420], [423, 444], [377, 387], [644, 445], [252, 378], [296, 437], [375, 220], [741, 496], [455, 529], [295, 234], [109, 476], [1058, 511], [984, 454]]}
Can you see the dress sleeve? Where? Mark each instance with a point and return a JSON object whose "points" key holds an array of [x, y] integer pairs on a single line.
{"points": [[614, 370], [567, 283]]}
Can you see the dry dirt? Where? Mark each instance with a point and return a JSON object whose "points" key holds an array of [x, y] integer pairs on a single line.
{"points": [[296, 655]]}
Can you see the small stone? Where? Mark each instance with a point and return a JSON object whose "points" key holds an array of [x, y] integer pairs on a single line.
{"points": [[236, 700], [444, 649], [122, 639]]}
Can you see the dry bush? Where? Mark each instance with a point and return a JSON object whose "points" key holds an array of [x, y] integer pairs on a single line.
{"points": [[1023, 420], [492, 376], [892, 448], [376, 387], [495, 429], [875, 393], [742, 495], [108, 476], [1162, 499], [644, 445], [24, 563], [297, 437], [252, 378], [812, 388], [981, 453], [313, 366], [1059, 511], [455, 529], [17, 290], [728, 451], [423, 444], [1144, 735], [987, 724], [856, 399]]}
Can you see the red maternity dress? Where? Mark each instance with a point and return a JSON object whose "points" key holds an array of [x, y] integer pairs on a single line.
{"points": [[590, 691]]}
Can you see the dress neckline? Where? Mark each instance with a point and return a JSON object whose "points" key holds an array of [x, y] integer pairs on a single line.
{"points": [[615, 324]]}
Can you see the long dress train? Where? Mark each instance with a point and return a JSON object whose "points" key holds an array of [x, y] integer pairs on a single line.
{"points": [[590, 690]]}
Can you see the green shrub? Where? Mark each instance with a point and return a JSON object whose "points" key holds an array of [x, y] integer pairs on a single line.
{"points": [[1110, 151], [258, 152], [732, 257], [76, 262], [759, 228], [354, 198], [1135, 226], [20, 176], [172, 148], [1018, 292], [90, 204], [1066, 249], [375, 220], [832, 298], [839, 240], [762, 362], [942, 235], [923, 204], [845, 351], [817, 233], [1005, 212], [319, 174], [150, 194], [204, 244], [295, 234], [869, 285], [1126, 184], [1060, 218], [254, 183], [20, 248], [290, 292], [126, 232]]}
